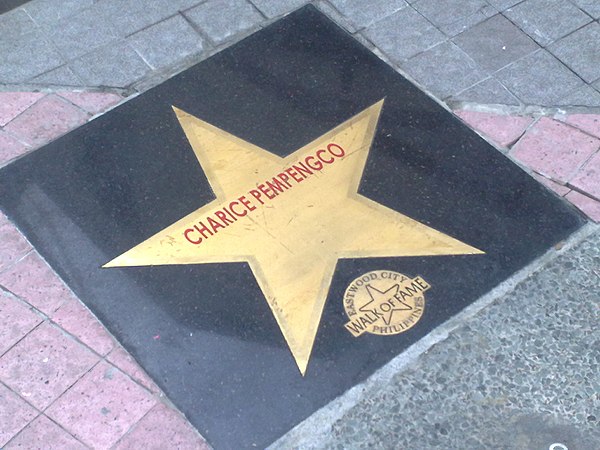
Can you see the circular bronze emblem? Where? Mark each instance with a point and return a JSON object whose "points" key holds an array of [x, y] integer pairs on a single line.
{"points": [[384, 302]]}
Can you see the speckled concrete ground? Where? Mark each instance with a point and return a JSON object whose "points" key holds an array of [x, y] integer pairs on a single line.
{"points": [[523, 374]]}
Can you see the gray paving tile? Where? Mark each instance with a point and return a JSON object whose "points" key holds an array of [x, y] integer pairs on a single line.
{"points": [[455, 16], [221, 19], [130, 16], [81, 33], [581, 51], [167, 42], [444, 70], [361, 15], [404, 34], [274, 8], [15, 24], [547, 20], [114, 66], [592, 7], [584, 96], [61, 76], [46, 12], [539, 79], [501, 5], [335, 15], [495, 43], [26, 57], [489, 92]]}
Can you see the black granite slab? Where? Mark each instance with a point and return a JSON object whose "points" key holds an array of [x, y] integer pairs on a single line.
{"points": [[103, 188]]}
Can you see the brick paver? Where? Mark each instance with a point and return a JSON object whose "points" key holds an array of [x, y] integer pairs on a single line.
{"points": [[587, 205], [42, 366], [34, 281], [92, 102], [16, 320], [588, 178], [15, 414], [124, 361], [560, 189], [43, 433], [14, 103], [502, 129], [14, 245], [75, 318], [10, 148], [49, 118], [590, 123], [102, 406], [554, 149], [162, 428]]}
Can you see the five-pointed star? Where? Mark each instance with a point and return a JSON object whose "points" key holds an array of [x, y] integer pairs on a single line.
{"points": [[293, 241], [378, 297]]}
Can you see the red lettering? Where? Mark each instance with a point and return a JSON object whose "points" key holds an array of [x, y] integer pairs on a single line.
{"points": [[239, 214], [221, 215], [283, 177], [342, 152], [257, 195], [214, 224], [326, 161], [186, 234], [247, 203], [203, 230], [318, 165], [294, 175], [265, 190], [229, 212], [302, 169], [276, 186]]}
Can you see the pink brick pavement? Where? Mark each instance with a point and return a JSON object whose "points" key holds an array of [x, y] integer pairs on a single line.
{"points": [[64, 381], [63, 376], [563, 153]]}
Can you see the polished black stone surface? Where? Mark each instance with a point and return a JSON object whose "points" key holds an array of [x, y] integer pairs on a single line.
{"points": [[103, 188]]}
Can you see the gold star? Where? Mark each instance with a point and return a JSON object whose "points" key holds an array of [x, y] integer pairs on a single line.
{"points": [[290, 219], [377, 297]]}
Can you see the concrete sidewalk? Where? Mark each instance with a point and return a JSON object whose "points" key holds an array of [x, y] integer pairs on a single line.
{"points": [[524, 74]]}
